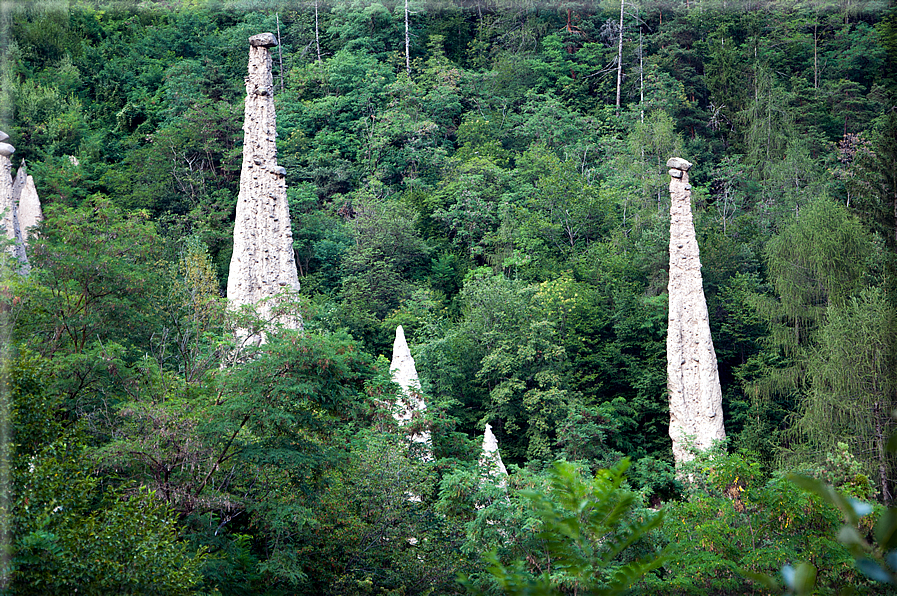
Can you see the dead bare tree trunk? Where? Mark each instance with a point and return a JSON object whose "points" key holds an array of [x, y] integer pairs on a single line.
{"points": [[641, 77], [815, 56], [279, 49], [619, 56], [317, 34], [407, 42]]}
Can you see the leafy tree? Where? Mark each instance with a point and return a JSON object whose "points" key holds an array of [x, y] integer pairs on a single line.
{"points": [[88, 297], [196, 317], [374, 528], [737, 523], [387, 255], [524, 365], [587, 532], [852, 384], [816, 261], [565, 210], [71, 531], [872, 181], [48, 123]]}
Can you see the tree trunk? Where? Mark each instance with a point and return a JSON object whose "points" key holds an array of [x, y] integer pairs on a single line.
{"points": [[882, 455], [279, 50], [641, 76], [407, 42], [620, 56], [815, 57], [317, 34]]}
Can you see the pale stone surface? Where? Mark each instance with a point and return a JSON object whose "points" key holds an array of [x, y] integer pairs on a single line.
{"points": [[679, 163], [263, 40], [696, 411], [490, 459], [404, 374], [263, 264], [27, 202], [6, 149], [18, 183], [10, 220]]}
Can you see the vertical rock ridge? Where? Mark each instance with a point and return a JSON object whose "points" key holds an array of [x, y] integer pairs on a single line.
{"points": [[27, 202], [8, 194], [263, 264], [696, 411], [404, 374]]}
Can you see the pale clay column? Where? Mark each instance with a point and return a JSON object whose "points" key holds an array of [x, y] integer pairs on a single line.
{"points": [[28, 209], [696, 410], [490, 459], [9, 219], [404, 374], [263, 264]]}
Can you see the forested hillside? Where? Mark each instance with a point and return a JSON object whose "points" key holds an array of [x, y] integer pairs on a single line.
{"points": [[489, 174]]}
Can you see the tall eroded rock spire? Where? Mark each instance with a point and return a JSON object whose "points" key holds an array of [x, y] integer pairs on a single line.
{"points": [[696, 407], [9, 219], [263, 264], [404, 374]]}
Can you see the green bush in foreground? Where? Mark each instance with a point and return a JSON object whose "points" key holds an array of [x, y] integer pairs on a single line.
{"points": [[587, 527]]}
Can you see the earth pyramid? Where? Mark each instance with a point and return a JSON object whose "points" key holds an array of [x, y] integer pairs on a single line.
{"points": [[263, 265], [696, 407]]}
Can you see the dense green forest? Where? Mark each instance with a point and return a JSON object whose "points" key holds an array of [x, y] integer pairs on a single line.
{"points": [[499, 189]]}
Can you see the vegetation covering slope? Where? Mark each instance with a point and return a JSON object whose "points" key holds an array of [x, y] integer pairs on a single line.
{"points": [[496, 186]]}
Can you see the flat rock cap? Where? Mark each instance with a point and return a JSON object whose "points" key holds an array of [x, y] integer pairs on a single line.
{"points": [[263, 40], [678, 163], [6, 149], [3, 136]]}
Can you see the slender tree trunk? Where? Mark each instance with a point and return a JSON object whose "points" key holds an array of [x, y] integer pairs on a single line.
{"points": [[279, 49], [815, 57], [407, 42], [620, 57], [317, 35], [641, 76], [882, 456], [895, 219]]}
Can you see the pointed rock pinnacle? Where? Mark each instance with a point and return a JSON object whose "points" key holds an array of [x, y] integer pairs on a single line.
{"points": [[263, 264], [696, 410], [490, 459], [27, 202], [404, 374]]}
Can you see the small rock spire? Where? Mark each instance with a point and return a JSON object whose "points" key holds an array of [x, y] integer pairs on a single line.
{"points": [[696, 410], [404, 374], [27, 202], [263, 264], [490, 459]]}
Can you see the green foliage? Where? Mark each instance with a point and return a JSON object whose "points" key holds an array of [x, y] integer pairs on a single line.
{"points": [[852, 382], [586, 526], [495, 203], [67, 541], [90, 264], [71, 531], [195, 311], [374, 529], [815, 264], [86, 306], [737, 523]]}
